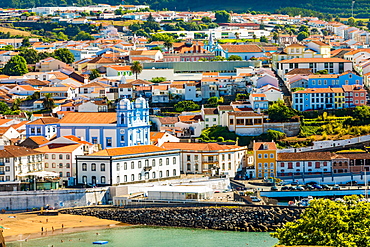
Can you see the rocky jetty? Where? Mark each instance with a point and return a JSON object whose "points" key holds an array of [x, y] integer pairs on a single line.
{"points": [[253, 219]]}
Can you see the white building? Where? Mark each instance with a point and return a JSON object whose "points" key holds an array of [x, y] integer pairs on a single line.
{"points": [[209, 158], [116, 166]]}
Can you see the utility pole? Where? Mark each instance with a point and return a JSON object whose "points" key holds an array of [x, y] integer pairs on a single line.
{"points": [[353, 3]]}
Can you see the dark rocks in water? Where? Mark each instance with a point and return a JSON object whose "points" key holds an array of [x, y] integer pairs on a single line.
{"points": [[220, 218]]}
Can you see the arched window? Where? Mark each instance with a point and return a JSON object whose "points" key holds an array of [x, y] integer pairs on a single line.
{"points": [[93, 167], [153, 162], [60, 156], [132, 177], [68, 156], [132, 165], [153, 175], [174, 172], [102, 179], [122, 118]]}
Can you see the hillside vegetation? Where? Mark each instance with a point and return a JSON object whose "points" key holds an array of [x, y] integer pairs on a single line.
{"points": [[335, 7]]}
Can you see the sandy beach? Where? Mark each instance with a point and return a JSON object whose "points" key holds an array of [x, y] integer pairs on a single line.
{"points": [[30, 225]]}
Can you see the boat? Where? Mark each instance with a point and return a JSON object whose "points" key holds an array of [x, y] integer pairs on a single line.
{"points": [[100, 242], [305, 202]]}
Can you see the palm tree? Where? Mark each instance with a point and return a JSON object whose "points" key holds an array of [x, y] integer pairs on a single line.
{"points": [[168, 44], [254, 37], [136, 68], [48, 102]]}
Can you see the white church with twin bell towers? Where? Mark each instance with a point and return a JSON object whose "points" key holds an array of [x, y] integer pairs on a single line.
{"points": [[129, 126]]}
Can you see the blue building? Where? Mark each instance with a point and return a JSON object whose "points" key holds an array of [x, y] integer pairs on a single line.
{"points": [[128, 126], [46, 127], [337, 81]]}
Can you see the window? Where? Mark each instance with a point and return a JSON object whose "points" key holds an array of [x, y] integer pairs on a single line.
{"points": [[260, 156], [174, 172], [68, 156], [53, 156], [132, 177], [139, 164], [102, 179], [153, 162], [139, 176], [125, 166], [132, 165], [68, 174], [290, 165], [60, 165], [160, 174], [102, 167], [266, 156], [93, 167], [174, 160], [160, 161], [297, 164], [68, 165], [117, 167], [317, 164], [60, 156], [309, 163], [282, 164], [60, 174], [167, 161], [46, 156], [94, 140], [167, 173], [229, 166], [231, 121], [46, 165], [271, 156], [153, 175], [84, 180], [54, 165], [188, 158], [109, 141]]}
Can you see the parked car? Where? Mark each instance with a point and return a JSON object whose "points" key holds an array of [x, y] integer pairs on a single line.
{"points": [[299, 188], [274, 188], [326, 187], [285, 188], [336, 187], [317, 186], [292, 188], [351, 183], [294, 183], [255, 199], [309, 187]]}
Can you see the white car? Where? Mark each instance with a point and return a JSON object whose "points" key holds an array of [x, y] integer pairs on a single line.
{"points": [[255, 199]]}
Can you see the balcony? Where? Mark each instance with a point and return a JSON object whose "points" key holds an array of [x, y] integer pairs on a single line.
{"points": [[214, 160]]}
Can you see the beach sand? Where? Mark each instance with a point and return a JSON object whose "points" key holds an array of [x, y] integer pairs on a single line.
{"points": [[30, 225]]}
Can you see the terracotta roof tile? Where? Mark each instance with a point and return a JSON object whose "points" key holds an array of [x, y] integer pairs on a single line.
{"points": [[242, 48], [128, 150], [198, 146], [45, 120], [304, 156], [89, 117], [261, 145]]}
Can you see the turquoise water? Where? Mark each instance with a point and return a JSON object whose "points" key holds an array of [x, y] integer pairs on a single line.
{"points": [[154, 237]]}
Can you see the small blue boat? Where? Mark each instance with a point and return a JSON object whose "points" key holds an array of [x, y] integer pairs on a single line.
{"points": [[100, 242]]}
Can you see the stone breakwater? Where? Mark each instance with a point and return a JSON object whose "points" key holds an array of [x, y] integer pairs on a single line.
{"points": [[219, 218]]}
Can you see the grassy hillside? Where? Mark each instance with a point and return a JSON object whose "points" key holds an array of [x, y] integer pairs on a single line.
{"points": [[14, 32]]}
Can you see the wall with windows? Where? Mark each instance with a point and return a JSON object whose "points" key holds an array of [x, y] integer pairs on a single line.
{"points": [[120, 170], [289, 168], [265, 163]]}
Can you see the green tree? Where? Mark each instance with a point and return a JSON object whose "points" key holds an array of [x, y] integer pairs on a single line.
{"points": [[16, 66], [351, 21], [206, 19], [168, 44], [275, 135], [82, 35], [254, 37], [8, 48], [222, 16], [26, 42], [136, 68], [279, 112], [3, 107], [158, 79], [30, 55], [264, 39], [218, 58], [241, 96], [16, 103], [213, 101], [330, 223], [94, 74], [234, 58], [64, 55], [62, 36], [48, 102], [186, 105], [362, 112], [275, 37], [302, 35]]}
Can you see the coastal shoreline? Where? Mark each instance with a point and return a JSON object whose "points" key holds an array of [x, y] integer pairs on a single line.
{"points": [[25, 226]]}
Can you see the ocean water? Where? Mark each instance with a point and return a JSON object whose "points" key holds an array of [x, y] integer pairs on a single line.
{"points": [[142, 236]]}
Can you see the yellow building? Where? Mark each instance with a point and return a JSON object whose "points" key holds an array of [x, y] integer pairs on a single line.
{"points": [[265, 154]]}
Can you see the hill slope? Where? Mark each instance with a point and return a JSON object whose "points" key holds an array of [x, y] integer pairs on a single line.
{"points": [[341, 7]]}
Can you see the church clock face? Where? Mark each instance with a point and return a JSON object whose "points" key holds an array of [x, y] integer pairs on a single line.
{"points": [[122, 131]]}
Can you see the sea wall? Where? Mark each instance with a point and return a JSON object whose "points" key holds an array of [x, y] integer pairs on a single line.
{"points": [[253, 219]]}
